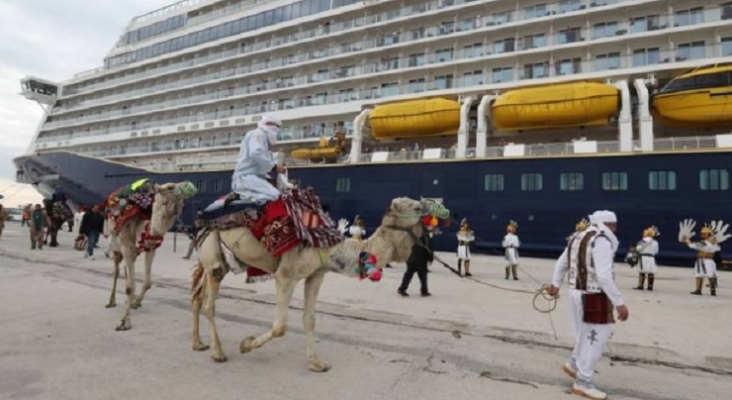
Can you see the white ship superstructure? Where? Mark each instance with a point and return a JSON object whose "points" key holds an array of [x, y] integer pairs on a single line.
{"points": [[185, 83]]}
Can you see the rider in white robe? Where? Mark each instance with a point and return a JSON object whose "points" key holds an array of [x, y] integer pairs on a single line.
{"points": [[251, 174]]}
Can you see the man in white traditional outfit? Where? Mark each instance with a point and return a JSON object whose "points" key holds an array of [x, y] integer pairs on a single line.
{"points": [[592, 295], [358, 230], [251, 174], [647, 249], [705, 266], [465, 237], [511, 244]]}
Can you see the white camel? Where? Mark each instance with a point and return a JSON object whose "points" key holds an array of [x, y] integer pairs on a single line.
{"points": [[166, 208], [392, 242]]}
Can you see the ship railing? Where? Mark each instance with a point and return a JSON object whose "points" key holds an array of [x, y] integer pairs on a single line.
{"points": [[659, 22], [567, 70], [168, 9], [228, 11]]}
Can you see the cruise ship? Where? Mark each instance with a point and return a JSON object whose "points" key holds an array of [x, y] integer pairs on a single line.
{"points": [[534, 111]]}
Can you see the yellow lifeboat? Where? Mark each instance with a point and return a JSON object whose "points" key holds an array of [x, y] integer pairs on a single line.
{"points": [[415, 118], [700, 98], [323, 151], [556, 106]]}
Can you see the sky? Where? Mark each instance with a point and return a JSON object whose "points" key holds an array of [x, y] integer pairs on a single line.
{"points": [[53, 40]]}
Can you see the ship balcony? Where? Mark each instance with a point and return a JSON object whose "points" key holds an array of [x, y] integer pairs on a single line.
{"points": [[226, 161], [477, 81], [565, 39], [507, 20]]}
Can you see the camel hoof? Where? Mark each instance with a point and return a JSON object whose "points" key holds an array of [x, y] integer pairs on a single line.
{"points": [[123, 327], [111, 305], [247, 344], [219, 359], [136, 305], [318, 366], [200, 347]]}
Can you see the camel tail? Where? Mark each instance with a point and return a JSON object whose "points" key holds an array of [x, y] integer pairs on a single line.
{"points": [[198, 283]]}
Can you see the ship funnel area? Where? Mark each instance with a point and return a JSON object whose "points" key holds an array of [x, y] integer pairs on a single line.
{"points": [[359, 124], [39, 90]]}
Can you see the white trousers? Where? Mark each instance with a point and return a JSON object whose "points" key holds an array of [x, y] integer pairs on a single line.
{"points": [[590, 340], [255, 189]]}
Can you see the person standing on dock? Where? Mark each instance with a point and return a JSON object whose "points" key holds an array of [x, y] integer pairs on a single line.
{"points": [[465, 236], [647, 249], [592, 295], [358, 229], [39, 222], [705, 266], [511, 244]]}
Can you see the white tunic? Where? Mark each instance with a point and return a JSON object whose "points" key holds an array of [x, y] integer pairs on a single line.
{"points": [[705, 267], [252, 169], [357, 232], [463, 251], [511, 244], [647, 250]]}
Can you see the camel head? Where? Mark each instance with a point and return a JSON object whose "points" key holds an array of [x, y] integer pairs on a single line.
{"points": [[404, 213], [168, 204]]}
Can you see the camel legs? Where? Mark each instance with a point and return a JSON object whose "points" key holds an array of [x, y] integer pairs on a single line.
{"points": [[285, 287], [117, 259], [147, 283], [312, 287], [129, 256], [211, 290], [198, 295]]}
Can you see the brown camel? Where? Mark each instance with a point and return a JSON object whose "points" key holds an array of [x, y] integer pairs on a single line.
{"points": [[166, 208]]}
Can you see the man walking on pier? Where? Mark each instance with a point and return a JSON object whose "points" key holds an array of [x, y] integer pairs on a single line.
{"points": [[593, 294]]}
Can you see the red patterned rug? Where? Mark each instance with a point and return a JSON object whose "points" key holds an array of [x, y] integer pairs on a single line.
{"points": [[295, 218]]}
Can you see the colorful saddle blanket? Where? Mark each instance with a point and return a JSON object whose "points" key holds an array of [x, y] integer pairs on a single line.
{"points": [[138, 204], [296, 218]]}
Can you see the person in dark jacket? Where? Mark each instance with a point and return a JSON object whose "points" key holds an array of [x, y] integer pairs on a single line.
{"points": [[417, 263], [92, 225]]}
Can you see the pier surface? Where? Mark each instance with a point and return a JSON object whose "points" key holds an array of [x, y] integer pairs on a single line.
{"points": [[468, 341]]}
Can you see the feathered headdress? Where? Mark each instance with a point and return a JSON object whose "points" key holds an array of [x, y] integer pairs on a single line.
{"points": [[717, 229], [512, 227], [582, 225], [464, 222], [651, 232]]}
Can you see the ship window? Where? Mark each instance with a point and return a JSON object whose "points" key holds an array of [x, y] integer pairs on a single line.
{"points": [[343, 185], [493, 183], [662, 180], [727, 44], [691, 51], [201, 185], [714, 179], [648, 56], [697, 82], [572, 181], [607, 61], [218, 186], [614, 181], [531, 182]]}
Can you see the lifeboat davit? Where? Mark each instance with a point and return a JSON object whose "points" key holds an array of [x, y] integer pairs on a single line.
{"points": [[415, 118], [702, 98], [556, 106]]}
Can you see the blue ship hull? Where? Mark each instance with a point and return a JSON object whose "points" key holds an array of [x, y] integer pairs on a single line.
{"points": [[545, 217]]}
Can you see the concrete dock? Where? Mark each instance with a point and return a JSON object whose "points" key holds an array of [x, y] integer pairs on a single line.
{"points": [[467, 341]]}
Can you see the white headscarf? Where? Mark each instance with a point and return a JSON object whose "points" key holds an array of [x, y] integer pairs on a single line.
{"points": [[599, 219], [271, 130]]}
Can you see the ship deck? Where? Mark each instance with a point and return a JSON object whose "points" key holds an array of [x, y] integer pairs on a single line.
{"points": [[59, 338]]}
